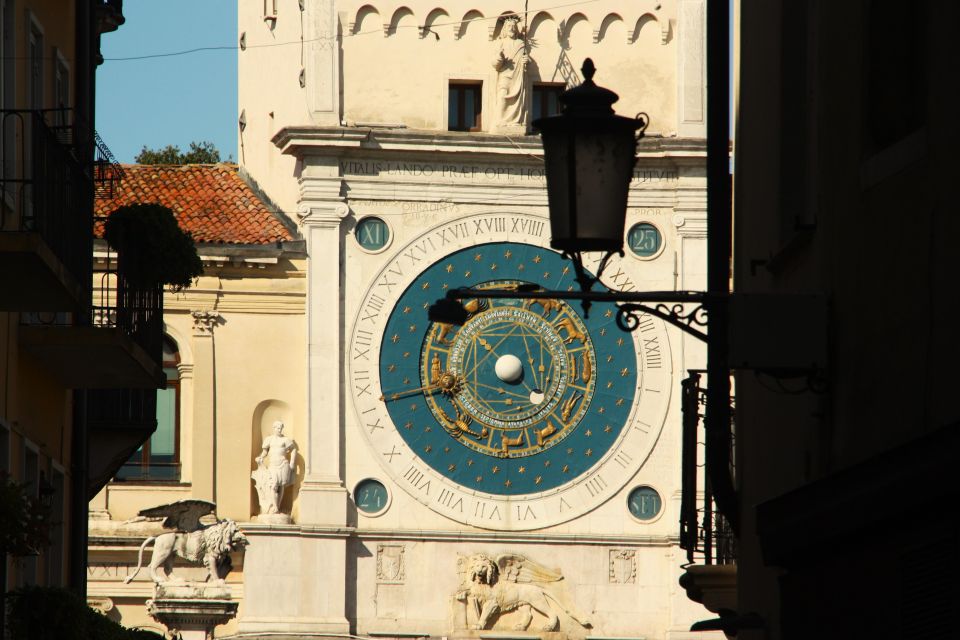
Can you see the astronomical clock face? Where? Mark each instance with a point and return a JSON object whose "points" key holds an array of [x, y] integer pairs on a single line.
{"points": [[527, 415]]}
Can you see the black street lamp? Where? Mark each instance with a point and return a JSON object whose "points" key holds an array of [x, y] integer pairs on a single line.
{"points": [[589, 153]]}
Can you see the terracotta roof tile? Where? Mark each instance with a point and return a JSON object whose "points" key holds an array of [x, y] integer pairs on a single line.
{"points": [[210, 201]]}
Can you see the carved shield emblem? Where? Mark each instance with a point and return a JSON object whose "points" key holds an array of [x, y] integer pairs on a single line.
{"points": [[390, 562], [623, 566]]}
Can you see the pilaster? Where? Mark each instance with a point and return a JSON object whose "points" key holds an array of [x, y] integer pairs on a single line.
{"points": [[323, 496], [322, 73], [692, 69], [203, 465]]}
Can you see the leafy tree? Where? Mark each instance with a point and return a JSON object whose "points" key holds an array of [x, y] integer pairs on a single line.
{"points": [[199, 153]]}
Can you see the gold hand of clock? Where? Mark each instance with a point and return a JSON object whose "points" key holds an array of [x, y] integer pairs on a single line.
{"points": [[446, 383]]}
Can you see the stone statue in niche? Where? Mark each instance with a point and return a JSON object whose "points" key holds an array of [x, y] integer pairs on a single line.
{"points": [[276, 470], [506, 590], [511, 66]]}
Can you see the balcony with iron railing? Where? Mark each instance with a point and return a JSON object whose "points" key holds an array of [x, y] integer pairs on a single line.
{"points": [[705, 534], [114, 343], [46, 214]]}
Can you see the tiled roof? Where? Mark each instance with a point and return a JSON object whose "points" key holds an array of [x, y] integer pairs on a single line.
{"points": [[210, 201]]}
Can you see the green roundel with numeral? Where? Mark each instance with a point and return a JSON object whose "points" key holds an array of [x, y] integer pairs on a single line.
{"points": [[524, 397]]}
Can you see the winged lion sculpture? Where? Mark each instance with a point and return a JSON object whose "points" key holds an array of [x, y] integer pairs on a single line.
{"points": [[204, 544]]}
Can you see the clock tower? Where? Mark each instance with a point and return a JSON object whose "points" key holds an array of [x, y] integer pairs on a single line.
{"points": [[518, 474]]}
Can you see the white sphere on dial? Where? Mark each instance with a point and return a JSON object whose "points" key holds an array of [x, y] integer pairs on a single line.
{"points": [[509, 368]]}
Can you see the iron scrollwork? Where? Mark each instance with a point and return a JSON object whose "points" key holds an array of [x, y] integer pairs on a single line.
{"points": [[677, 314]]}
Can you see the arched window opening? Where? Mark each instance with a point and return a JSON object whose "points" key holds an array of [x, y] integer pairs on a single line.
{"points": [[158, 459]]}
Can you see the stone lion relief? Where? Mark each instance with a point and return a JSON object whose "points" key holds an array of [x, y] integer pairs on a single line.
{"points": [[206, 545], [490, 588]]}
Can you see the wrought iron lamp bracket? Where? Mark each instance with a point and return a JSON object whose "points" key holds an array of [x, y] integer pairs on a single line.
{"points": [[677, 314]]}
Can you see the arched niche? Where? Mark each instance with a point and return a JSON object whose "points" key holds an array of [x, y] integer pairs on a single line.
{"points": [[264, 415], [367, 19], [472, 20], [401, 21]]}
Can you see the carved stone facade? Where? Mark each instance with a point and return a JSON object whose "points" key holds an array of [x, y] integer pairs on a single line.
{"points": [[429, 502]]}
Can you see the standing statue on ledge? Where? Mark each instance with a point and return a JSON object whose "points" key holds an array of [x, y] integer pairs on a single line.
{"points": [[511, 66], [276, 469]]}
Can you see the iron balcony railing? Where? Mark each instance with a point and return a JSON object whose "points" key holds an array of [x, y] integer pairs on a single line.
{"points": [[45, 188], [136, 311], [705, 534]]}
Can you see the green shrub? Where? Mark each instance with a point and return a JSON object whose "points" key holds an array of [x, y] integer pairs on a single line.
{"points": [[153, 249], [53, 613]]}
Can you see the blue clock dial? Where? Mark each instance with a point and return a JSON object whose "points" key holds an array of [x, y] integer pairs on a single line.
{"points": [[526, 395]]}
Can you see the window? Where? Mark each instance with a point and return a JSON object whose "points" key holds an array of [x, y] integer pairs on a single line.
{"points": [[269, 9], [159, 457], [35, 70], [546, 99], [61, 91], [464, 106]]}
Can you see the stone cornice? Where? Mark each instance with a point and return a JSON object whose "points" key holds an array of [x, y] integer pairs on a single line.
{"points": [[311, 140]]}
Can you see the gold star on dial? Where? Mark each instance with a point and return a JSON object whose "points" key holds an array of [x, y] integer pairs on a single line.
{"points": [[619, 342], [479, 478], [427, 429], [522, 470], [609, 358], [446, 449], [569, 452], [537, 259], [451, 467], [601, 410], [406, 309], [619, 402], [566, 468], [624, 372], [470, 463], [588, 452], [412, 328], [394, 338], [413, 407], [425, 286], [607, 429], [507, 254], [507, 483], [391, 368], [406, 380], [493, 267], [609, 385], [406, 354], [408, 425], [546, 274], [607, 313], [565, 271], [588, 433], [537, 480], [546, 463], [426, 305], [449, 268], [427, 449], [496, 469], [466, 274], [603, 331], [520, 267], [478, 257]]}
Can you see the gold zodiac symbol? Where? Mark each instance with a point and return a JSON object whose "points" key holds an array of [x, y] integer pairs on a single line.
{"points": [[547, 304], [546, 432], [472, 307], [435, 370], [573, 368], [571, 329], [586, 370], [568, 406], [462, 424], [506, 442]]}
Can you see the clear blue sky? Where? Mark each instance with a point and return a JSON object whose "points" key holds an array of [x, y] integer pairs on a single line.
{"points": [[170, 100]]}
